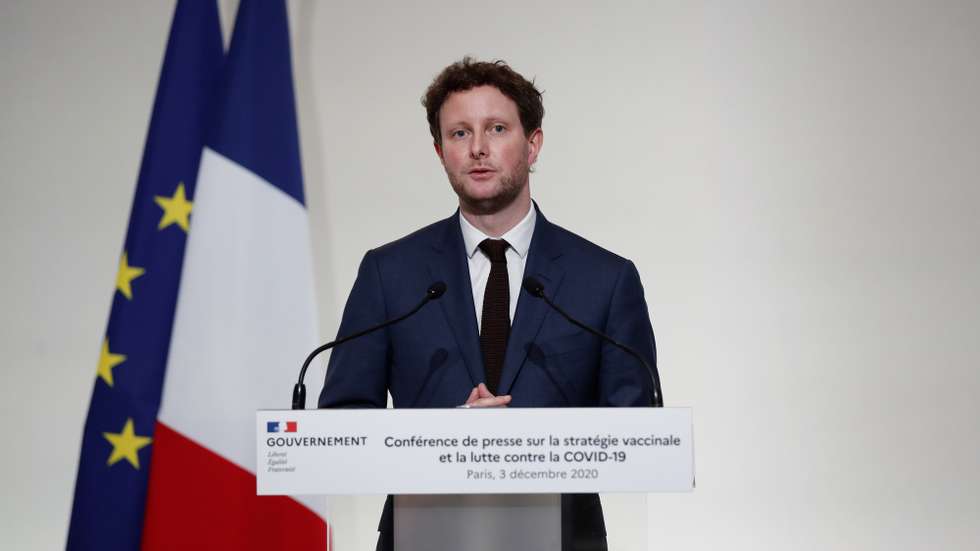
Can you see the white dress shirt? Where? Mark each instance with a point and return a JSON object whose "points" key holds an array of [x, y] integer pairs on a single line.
{"points": [[519, 239]]}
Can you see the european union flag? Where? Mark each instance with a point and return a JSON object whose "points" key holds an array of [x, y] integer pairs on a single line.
{"points": [[110, 491]]}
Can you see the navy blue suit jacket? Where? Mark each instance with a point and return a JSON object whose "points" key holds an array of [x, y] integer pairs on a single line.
{"points": [[433, 359]]}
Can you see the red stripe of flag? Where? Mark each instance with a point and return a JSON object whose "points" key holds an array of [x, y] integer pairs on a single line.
{"points": [[199, 500]]}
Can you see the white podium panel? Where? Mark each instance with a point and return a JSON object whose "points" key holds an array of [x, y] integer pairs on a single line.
{"points": [[474, 451]]}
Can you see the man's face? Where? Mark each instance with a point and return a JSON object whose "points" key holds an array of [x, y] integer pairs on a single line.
{"points": [[484, 150]]}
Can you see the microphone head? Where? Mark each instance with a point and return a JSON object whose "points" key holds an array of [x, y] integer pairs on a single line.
{"points": [[436, 290], [533, 286]]}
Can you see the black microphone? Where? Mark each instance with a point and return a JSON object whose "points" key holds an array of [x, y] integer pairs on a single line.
{"points": [[434, 291], [536, 289]]}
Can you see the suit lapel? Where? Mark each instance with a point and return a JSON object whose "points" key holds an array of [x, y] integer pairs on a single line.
{"points": [[531, 311], [449, 264]]}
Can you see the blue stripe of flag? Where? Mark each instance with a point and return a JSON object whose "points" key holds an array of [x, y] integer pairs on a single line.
{"points": [[257, 125], [107, 512]]}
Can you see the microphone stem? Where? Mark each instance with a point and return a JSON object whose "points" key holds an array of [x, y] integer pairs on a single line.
{"points": [[299, 389], [342, 340], [655, 379]]}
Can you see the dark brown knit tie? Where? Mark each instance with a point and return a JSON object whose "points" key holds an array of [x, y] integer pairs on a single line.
{"points": [[495, 322]]}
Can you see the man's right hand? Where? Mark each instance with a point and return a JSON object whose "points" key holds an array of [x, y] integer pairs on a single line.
{"points": [[481, 397]]}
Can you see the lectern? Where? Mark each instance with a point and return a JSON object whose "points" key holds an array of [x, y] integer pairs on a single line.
{"points": [[475, 479]]}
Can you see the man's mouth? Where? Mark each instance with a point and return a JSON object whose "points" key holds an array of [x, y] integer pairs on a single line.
{"points": [[481, 173]]}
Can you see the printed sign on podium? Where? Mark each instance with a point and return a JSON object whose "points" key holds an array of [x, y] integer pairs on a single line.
{"points": [[474, 451]]}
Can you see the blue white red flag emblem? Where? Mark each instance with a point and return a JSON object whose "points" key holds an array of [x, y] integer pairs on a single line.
{"points": [[277, 426]]}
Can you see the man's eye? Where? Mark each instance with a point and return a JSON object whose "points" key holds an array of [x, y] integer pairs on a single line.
{"points": [[498, 128], [459, 133]]}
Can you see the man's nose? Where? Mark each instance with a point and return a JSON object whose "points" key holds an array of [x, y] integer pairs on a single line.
{"points": [[478, 147]]}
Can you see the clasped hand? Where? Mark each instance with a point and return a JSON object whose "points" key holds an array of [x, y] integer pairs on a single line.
{"points": [[481, 397]]}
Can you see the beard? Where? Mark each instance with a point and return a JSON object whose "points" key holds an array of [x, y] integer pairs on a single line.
{"points": [[511, 186]]}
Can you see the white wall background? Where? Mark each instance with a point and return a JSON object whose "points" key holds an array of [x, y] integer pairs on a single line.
{"points": [[797, 183]]}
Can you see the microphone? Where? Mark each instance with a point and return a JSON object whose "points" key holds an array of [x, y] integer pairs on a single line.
{"points": [[536, 289], [434, 291]]}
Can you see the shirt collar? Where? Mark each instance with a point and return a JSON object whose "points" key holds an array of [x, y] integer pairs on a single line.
{"points": [[518, 237]]}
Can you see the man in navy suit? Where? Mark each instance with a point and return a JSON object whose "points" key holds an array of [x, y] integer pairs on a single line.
{"points": [[487, 342]]}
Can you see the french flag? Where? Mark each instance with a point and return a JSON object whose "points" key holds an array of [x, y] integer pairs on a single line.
{"points": [[245, 316]]}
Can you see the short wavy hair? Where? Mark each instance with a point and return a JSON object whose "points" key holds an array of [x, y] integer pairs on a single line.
{"points": [[469, 73]]}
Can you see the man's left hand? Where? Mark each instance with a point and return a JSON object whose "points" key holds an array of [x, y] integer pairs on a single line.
{"points": [[481, 397]]}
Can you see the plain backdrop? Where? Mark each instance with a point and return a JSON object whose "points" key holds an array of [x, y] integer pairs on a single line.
{"points": [[797, 183]]}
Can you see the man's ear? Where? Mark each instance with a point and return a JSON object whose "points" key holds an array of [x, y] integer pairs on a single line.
{"points": [[438, 149], [535, 141]]}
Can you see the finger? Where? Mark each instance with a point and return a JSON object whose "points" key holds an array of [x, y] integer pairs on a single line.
{"points": [[474, 395], [493, 402], [484, 391]]}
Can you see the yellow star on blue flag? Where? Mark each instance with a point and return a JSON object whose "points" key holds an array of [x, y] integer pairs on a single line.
{"points": [[176, 209], [126, 444], [126, 275], [107, 361]]}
